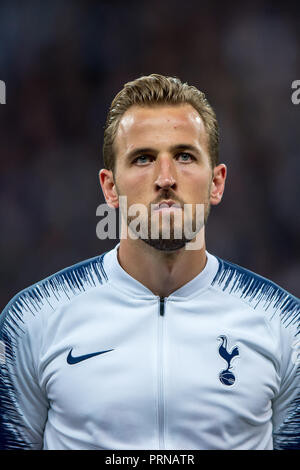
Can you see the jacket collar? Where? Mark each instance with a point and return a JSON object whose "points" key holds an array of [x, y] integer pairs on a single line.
{"points": [[122, 280]]}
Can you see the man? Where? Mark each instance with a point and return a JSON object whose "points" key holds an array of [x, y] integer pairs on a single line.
{"points": [[157, 344]]}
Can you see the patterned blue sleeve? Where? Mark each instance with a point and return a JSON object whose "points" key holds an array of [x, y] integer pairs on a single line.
{"points": [[286, 405], [23, 406], [23, 401]]}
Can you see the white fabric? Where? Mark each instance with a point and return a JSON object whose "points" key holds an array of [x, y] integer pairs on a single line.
{"points": [[159, 387]]}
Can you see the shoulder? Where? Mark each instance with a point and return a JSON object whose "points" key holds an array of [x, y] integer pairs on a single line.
{"points": [[48, 294], [257, 291]]}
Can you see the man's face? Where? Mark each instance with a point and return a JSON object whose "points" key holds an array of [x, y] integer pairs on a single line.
{"points": [[162, 155]]}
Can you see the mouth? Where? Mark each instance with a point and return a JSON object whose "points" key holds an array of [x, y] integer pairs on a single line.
{"points": [[166, 205]]}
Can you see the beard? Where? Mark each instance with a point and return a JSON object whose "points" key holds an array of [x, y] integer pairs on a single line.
{"points": [[170, 232], [176, 239]]}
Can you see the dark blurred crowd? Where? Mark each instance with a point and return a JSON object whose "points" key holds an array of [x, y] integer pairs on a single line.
{"points": [[63, 62]]}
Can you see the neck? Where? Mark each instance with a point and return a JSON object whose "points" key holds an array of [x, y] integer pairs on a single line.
{"points": [[160, 271]]}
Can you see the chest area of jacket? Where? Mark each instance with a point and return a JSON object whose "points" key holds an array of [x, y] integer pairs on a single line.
{"points": [[114, 355]]}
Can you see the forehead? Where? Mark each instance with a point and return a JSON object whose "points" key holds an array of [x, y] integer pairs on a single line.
{"points": [[162, 122]]}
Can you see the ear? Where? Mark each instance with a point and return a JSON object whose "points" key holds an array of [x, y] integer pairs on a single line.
{"points": [[108, 186], [218, 184]]}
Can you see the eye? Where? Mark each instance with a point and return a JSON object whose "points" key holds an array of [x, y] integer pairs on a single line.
{"points": [[142, 159], [185, 157]]}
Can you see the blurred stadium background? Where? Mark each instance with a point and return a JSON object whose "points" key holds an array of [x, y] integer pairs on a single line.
{"points": [[63, 62]]}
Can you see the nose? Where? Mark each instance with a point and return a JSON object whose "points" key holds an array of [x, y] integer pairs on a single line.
{"points": [[166, 177]]}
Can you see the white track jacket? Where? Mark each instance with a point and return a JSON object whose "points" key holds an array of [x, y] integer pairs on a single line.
{"points": [[92, 359]]}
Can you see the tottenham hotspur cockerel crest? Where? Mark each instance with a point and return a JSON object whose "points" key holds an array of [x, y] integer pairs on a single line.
{"points": [[226, 376]]}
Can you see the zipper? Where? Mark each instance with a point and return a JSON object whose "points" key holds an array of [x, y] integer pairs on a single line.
{"points": [[160, 368], [162, 306]]}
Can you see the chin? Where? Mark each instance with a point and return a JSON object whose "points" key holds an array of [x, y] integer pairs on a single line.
{"points": [[166, 245]]}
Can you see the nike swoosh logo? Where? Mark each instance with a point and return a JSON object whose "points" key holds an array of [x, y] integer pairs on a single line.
{"points": [[74, 360]]}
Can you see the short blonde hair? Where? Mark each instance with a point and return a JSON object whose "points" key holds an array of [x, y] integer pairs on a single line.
{"points": [[153, 90]]}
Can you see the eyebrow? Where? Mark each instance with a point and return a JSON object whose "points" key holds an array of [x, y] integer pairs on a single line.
{"points": [[139, 151]]}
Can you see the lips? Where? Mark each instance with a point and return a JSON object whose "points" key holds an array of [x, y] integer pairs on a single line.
{"points": [[169, 204]]}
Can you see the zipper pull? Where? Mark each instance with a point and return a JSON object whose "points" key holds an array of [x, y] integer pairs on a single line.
{"points": [[162, 306]]}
